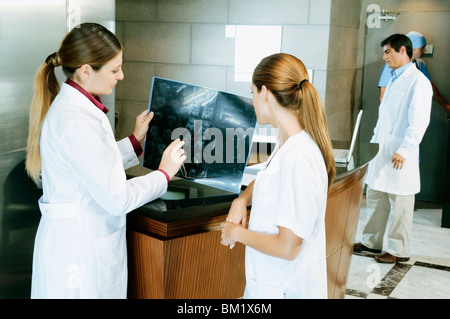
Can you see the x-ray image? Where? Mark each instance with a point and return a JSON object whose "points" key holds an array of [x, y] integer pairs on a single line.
{"points": [[217, 128]]}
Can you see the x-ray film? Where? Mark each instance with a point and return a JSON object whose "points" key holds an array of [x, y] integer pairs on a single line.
{"points": [[217, 128]]}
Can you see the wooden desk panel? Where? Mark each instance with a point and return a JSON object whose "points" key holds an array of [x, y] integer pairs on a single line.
{"points": [[184, 258], [195, 266], [341, 220]]}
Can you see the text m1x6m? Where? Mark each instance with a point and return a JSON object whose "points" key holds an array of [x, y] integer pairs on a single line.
{"points": [[246, 308]]}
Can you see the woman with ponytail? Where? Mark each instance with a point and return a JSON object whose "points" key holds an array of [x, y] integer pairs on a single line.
{"points": [[285, 239], [80, 247]]}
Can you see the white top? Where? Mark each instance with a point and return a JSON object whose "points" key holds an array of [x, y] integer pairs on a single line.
{"points": [[403, 118], [80, 246], [290, 192]]}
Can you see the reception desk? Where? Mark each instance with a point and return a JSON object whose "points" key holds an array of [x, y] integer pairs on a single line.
{"points": [[174, 248]]}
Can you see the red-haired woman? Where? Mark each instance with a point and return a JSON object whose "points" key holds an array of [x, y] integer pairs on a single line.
{"points": [[285, 240]]}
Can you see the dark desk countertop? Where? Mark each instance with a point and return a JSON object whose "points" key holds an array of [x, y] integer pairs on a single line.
{"points": [[362, 155], [186, 199]]}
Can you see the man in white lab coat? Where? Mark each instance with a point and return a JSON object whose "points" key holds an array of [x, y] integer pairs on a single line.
{"points": [[393, 176], [419, 49]]}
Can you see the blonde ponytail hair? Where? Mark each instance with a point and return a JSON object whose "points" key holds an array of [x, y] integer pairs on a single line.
{"points": [[46, 88], [284, 75], [88, 43]]}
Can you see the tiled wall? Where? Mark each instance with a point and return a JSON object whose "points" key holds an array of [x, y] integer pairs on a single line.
{"points": [[185, 41]]}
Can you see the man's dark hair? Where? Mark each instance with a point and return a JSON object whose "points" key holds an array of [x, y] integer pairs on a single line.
{"points": [[396, 41]]}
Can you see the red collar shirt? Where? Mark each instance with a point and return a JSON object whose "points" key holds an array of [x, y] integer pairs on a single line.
{"points": [[98, 103]]}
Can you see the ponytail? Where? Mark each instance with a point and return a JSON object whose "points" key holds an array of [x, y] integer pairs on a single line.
{"points": [[287, 78], [46, 88], [313, 119]]}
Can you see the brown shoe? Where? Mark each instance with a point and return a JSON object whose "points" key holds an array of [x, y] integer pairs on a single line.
{"points": [[387, 258], [358, 248]]}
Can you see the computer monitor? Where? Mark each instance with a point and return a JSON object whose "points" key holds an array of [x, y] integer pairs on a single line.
{"points": [[217, 128]]}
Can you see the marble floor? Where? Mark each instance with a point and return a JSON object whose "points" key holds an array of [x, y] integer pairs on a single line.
{"points": [[425, 276]]}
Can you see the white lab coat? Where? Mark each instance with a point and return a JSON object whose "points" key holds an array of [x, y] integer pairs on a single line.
{"points": [[80, 246], [291, 192], [403, 118]]}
